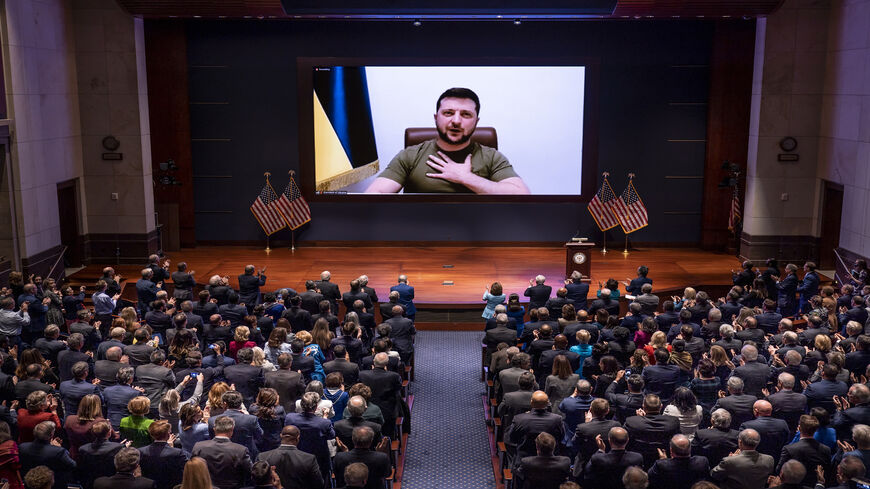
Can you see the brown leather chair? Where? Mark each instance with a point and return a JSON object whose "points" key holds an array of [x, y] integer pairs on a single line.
{"points": [[482, 135]]}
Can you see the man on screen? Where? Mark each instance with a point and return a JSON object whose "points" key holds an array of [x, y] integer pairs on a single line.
{"points": [[452, 162]]}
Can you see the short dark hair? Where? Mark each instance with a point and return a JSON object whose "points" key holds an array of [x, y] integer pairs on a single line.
{"points": [[457, 92]]}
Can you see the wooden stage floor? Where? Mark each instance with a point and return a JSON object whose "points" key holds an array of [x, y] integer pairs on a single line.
{"points": [[473, 268]]}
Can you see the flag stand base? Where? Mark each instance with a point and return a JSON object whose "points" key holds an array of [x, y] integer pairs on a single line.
{"points": [[625, 250], [603, 242]]}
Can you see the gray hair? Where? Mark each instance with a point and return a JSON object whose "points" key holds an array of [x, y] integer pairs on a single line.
{"points": [[749, 353], [735, 385], [726, 331], [634, 477], [786, 380], [714, 315], [792, 472], [861, 435], [749, 438], [501, 308], [721, 419], [127, 459], [540, 279], [224, 425]]}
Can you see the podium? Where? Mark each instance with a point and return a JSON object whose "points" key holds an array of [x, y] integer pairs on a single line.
{"points": [[578, 256]]}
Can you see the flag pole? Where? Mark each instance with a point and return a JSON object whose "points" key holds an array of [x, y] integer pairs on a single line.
{"points": [[268, 250], [604, 232], [625, 249], [292, 231]]}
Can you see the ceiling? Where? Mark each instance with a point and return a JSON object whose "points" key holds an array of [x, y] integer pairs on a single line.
{"points": [[624, 9]]}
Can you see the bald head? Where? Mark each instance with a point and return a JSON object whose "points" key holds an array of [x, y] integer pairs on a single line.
{"points": [[762, 408], [290, 435], [618, 438], [680, 446], [540, 400]]}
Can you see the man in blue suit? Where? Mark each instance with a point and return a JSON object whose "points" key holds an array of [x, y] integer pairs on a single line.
{"points": [[821, 393], [160, 461], [72, 391], [768, 320], [809, 286], [249, 286], [406, 296], [787, 288], [36, 308], [634, 286], [146, 291], [315, 431], [44, 450], [247, 431]]}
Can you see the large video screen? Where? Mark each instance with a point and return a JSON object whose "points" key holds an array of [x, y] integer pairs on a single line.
{"points": [[497, 130]]}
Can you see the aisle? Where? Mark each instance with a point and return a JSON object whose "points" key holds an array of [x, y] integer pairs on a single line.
{"points": [[448, 446]]}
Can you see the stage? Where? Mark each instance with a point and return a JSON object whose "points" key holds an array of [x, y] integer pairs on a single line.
{"points": [[469, 269]]}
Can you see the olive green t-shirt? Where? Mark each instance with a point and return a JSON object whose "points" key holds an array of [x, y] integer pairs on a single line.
{"points": [[409, 168]]}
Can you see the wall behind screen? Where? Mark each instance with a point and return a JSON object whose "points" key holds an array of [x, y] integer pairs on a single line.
{"points": [[652, 122]]}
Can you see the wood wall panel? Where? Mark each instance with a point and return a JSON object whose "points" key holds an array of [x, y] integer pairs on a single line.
{"points": [[169, 109], [731, 64]]}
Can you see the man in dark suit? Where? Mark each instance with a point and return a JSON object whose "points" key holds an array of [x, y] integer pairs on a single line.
{"points": [[732, 306], [386, 389], [774, 432], [823, 392], [661, 379], [116, 336], [605, 469], [107, 370], [682, 469], [246, 429], [112, 286], [543, 341], [518, 401], [356, 293], [194, 321], [668, 317], [286, 381], [349, 341], [754, 374], [160, 271], [232, 311], [584, 442], [97, 459], [857, 361], [650, 430], [745, 277], [295, 468], [301, 363], [160, 461], [249, 286], [746, 469], [544, 470], [46, 450], [146, 291], [787, 404], [311, 297], [537, 292], [67, 358], [228, 463], [718, 441], [72, 391], [298, 317], [634, 287], [605, 301], [768, 320], [155, 378], [555, 304], [808, 451], [738, 404], [402, 333], [126, 462], [49, 345], [539, 317], [372, 293], [356, 407], [206, 306], [31, 383], [377, 462], [786, 289], [634, 318], [248, 378], [851, 411], [315, 430], [329, 290], [577, 290], [183, 283], [406, 296], [208, 376], [808, 287], [349, 370], [560, 347], [527, 426], [625, 404], [500, 334]]}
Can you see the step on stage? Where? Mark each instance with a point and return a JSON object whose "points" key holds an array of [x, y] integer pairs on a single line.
{"points": [[449, 281]]}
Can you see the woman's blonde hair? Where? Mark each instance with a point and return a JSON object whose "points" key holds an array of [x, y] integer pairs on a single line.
{"points": [[259, 356], [242, 334], [305, 336], [659, 340], [196, 475], [822, 343], [90, 408], [718, 355], [128, 314], [583, 337], [169, 404], [689, 293]]}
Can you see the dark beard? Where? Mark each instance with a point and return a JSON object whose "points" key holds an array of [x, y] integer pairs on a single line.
{"points": [[462, 140]]}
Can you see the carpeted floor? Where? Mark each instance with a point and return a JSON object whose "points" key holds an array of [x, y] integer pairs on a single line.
{"points": [[448, 447]]}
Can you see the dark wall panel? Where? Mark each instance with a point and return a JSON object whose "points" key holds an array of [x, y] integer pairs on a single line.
{"points": [[242, 79]]}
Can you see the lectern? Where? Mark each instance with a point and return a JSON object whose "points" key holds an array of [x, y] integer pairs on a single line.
{"points": [[578, 256]]}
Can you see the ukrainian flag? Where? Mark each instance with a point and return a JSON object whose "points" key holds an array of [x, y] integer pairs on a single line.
{"points": [[344, 136]]}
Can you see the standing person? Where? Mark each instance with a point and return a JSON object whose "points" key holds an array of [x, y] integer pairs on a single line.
{"points": [[126, 467], [787, 288], [184, 283], [537, 292], [104, 306], [135, 426], [747, 468], [10, 463], [228, 463], [78, 426], [146, 291], [633, 286], [329, 291], [295, 468], [406, 296], [769, 277], [493, 295], [54, 314], [517, 312], [160, 461], [12, 322], [36, 308], [808, 287], [249, 286], [577, 290], [270, 416]]}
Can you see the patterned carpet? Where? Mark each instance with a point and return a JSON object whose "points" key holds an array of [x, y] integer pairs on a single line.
{"points": [[448, 447]]}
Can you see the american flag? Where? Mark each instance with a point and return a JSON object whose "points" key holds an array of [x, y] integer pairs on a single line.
{"points": [[734, 215], [601, 207], [293, 206], [630, 209], [265, 211]]}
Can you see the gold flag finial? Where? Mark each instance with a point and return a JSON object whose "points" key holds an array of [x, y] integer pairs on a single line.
{"points": [[606, 174]]}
